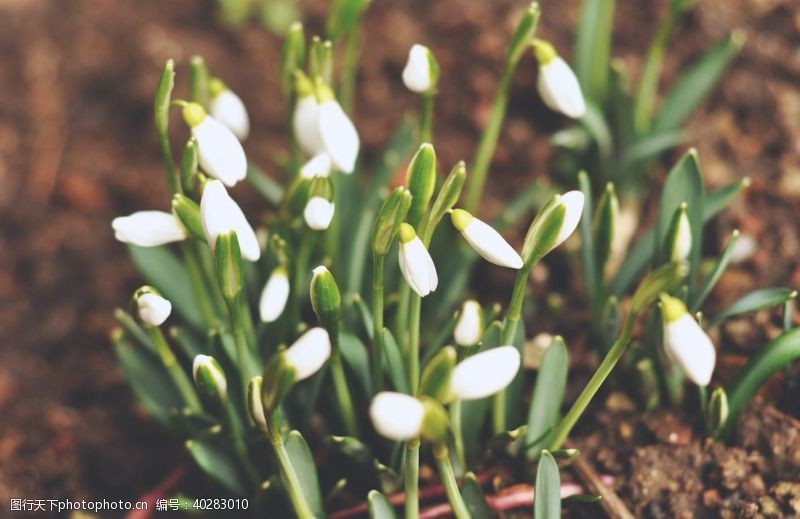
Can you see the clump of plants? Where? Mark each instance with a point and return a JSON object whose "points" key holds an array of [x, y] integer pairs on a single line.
{"points": [[318, 357]]}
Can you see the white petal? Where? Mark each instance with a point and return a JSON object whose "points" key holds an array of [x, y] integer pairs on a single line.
{"points": [[560, 89], [229, 109], [573, 202], [221, 154], [417, 267], [469, 326], [489, 244], [153, 309], [306, 125], [397, 416], [339, 135], [309, 353], [318, 166], [691, 348], [484, 373], [417, 72], [148, 228], [274, 296], [318, 213], [220, 213], [683, 239]]}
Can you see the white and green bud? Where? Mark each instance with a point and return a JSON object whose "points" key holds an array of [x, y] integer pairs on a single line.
{"points": [[293, 55], [605, 225], [148, 228], [554, 223], [255, 405], [319, 209], [308, 353], [389, 218], [557, 84], [325, 298], [188, 213], [679, 235], [219, 213], [718, 411], [274, 295], [469, 327], [220, 152], [210, 379], [485, 240], [416, 263], [153, 309], [435, 379], [229, 267], [227, 108], [278, 379], [484, 373], [397, 416], [686, 342], [421, 72], [421, 181]]}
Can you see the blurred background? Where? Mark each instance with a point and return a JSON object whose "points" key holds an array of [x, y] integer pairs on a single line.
{"points": [[78, 147]]}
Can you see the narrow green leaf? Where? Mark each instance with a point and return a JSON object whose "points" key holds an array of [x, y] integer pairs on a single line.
{"points": [[198, 81], [712, 278], [649, 147], [303, 463], [588, 254], [755, 301], [356, 359], [594, 122], [473, 498], [547, 499], [379, 506], [218, 464], [548, 396], [523, 33], [593, 47], [186, 342], [133, 330], [264, 184], [394, 363]]}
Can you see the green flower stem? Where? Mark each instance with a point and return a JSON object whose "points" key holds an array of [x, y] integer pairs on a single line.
{"points": [[340, 386], [237, 435], [401, 321], [172, 173], [239, 318], [178, 376], [563, 428], [413, 342], [290, 480], [347, 85], [200, 286], [411, 479], [300, 272], [458, 437], [480, 164], [449, 481], [377, 321], [426, 121]]}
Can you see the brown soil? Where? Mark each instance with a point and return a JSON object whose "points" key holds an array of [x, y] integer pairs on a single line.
{"points": [[77, 148]]}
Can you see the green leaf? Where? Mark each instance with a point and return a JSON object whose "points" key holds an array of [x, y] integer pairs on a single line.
{"points": [[712, 278], [776, 354], [547, 499], [590, 265], [379, 506], [473, 412], [133, 330], [343, 16], [523, 33], [696, 83], [548, 396], [218, 464], [350, 447], [473, 498], [186, 342], [356, 358], [514, 406], [594, 122], [147, 378], [649, 147], [394, 363], [755, 301], [593, 47], [165, 272], [303, 463], [264, 184]]}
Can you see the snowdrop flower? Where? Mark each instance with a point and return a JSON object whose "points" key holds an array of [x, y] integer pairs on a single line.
{"points": [[318, 166], [557, 84], [686, 342], [274, 295], [680, 239], [153, 309], [228, 108], [469, 327], [421, 70], [485, 240], [397, 416], [318, 213], [219, 213], [338, 134], [220, 152], [308, 353], [148, 228], [305, 124], [209, 378], [573, 205], [485, 373], [416, 263], [539, 241]]}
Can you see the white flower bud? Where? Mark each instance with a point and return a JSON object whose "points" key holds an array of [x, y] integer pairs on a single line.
{"points": [[557, 84], [682, 245], [308, 353], [318, 166], [485, 240], [339, 135], [417, 75], [573, 203], [397, 416], [148, 228], [220, 152], [306, 125], [686, 342], [469, 327], [274, 295], [219, 213], [209, 378], [228, 108], [318, 213], [485, 373], [416, 263], [153, 309]]}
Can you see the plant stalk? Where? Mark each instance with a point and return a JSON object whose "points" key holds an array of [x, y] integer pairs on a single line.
{"points": [[341, 389], [179, 377], [426, 121], [377, 321], [290, 480], [411, 479], [458, 437], [449, 481], [237, 435]]}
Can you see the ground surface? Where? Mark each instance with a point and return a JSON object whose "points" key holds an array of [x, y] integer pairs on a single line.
{"points": [[77, 148]]}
